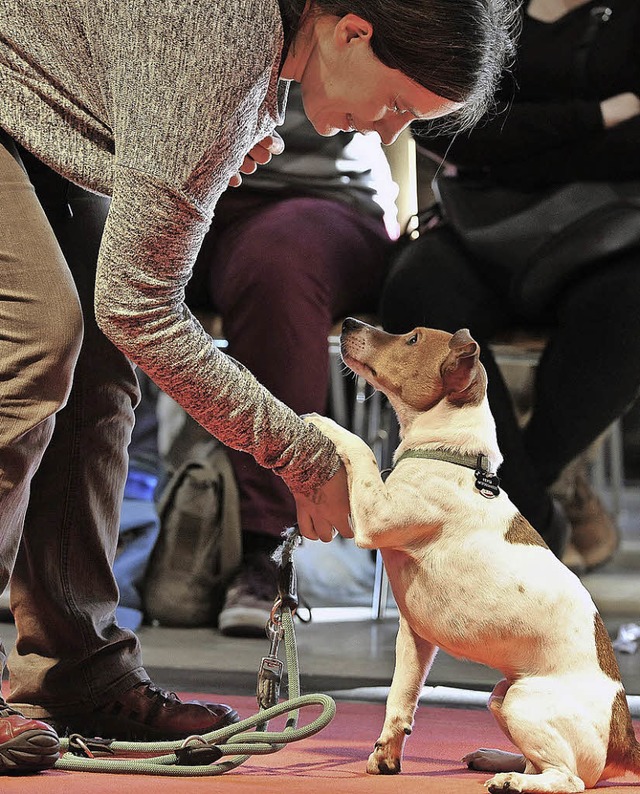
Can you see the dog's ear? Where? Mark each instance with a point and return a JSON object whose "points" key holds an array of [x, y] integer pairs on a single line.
{"points": [[460, 368]]}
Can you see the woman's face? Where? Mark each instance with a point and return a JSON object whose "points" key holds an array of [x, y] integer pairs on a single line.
{"points": [[345, 87]]}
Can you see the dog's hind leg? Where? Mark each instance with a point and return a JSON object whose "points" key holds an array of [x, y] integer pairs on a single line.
{"points": [[523, 713], [491, 760], [552, 780], [413, 660]]}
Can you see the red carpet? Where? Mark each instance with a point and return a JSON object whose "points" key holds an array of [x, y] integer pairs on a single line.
{"points": [[331, 762]]}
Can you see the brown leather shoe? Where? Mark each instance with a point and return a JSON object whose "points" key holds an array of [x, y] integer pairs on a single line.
{"points": [[574, 561], [25, 745], [147, 713], [593, 532]]}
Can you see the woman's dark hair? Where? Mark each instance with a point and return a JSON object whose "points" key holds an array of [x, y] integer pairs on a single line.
{"points": [[456, 48]]}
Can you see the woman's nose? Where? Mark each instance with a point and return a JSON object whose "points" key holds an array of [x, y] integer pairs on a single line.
{"points": [[389, 128]]}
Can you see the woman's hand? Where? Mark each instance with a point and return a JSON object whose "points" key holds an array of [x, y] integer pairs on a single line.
{"points": [[619, 108], [260, 155], [327, 511]]}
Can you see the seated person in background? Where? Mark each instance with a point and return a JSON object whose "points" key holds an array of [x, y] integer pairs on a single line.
{"points": [[558, 127], [300, 244]]}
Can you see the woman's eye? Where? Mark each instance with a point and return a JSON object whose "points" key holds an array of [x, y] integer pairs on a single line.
{"points": [[412, 340]]}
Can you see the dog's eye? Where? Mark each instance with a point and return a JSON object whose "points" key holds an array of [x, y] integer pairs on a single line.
{"points": [[413, 340]]}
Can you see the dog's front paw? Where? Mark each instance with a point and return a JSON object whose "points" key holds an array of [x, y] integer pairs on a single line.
{"points": [[325, 425], [383, 761], [342, 438]]}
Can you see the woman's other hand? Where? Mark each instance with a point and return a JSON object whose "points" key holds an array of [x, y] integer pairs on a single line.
{"points": [[261, 153], [619, 108], [327, 511]]}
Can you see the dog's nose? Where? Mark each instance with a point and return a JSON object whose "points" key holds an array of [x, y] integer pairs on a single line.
{"points": [[350, 324]]}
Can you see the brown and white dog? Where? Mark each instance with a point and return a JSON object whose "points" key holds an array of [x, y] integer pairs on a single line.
{"points": [[470, 575]]}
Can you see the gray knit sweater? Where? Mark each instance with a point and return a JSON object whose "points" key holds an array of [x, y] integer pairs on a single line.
{"points": [[155, 103]]}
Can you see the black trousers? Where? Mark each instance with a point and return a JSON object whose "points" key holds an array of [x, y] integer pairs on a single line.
{"points": [[589, 373]]}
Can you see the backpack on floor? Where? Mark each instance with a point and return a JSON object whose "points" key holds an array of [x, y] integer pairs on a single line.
{"points": [[199, 545]]}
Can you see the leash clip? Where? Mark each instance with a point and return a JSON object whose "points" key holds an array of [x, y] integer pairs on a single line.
{"points": [[287, 577], [83, 747], [195, 751], [271, 668]]}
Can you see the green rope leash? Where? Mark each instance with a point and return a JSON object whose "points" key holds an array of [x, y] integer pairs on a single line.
{"points": [[238, 740]]}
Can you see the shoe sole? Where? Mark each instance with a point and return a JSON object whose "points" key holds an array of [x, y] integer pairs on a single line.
{"points": [[29, 752], [593, 562], [121, 730], [243, 622]]}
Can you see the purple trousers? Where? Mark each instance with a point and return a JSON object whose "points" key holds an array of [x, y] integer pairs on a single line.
{"points": [[281, 273]]}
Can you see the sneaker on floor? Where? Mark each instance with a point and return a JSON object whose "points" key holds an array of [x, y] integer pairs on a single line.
{"points": [[26, 745], [249, 599], [593, 531], [146, 713]]}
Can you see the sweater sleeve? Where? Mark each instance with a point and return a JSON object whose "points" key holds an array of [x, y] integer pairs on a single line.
{"points": [[611, 154], [587, 151], [183, 118], [150, 240], [516, 132]]}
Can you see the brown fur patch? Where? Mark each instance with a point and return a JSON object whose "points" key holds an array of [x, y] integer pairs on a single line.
{"points": [[520, 531], [622, 739], [606, 657]]}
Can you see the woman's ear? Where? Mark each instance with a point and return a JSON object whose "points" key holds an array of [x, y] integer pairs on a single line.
{"points": [[351, 28]]}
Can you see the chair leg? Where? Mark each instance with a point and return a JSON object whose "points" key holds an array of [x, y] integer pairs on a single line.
{"points": [[337, 385], [380, 593]]}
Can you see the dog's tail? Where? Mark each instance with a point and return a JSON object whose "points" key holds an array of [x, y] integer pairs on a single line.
{"points": [[634, 756], [623, 752], [623, 744]]}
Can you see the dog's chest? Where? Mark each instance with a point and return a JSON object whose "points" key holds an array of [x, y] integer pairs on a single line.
{"points": [[508, 606], [439, 603]]}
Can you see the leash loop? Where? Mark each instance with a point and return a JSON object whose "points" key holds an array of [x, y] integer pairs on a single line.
{"points": [[200, 756]]}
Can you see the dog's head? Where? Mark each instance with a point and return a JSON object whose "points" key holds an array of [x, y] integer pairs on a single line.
{"points": [[418, 370]]}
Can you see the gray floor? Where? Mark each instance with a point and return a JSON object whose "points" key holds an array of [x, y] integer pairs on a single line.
{"points": [[343, 651]]}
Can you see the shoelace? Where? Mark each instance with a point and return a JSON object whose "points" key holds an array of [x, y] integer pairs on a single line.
{"points": [[158, 693], [7, 711]]}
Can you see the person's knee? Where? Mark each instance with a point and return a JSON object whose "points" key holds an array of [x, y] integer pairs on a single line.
{"points": [[278, 266], [435, 284], [41, 365], [422, 289], [59, 348]]}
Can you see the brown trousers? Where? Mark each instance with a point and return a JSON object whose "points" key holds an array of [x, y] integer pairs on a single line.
{"points": [[66, 412]]}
